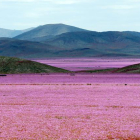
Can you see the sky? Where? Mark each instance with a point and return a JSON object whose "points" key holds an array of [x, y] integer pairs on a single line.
{"points": [[95, 15]]}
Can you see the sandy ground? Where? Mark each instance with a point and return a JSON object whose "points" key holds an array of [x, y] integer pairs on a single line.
{"points": [[69, 111]]}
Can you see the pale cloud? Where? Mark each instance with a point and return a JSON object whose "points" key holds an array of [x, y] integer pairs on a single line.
{"points": [[51, 1], [132, 1], [119, 7], [17, 0], [32, 15], [98, 15], [65, 2], [69, 1]]}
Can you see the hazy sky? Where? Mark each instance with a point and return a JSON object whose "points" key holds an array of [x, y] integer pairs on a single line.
{"points": [[97, 15]]}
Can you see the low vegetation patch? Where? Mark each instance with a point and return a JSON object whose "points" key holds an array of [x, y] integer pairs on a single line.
{"points": [[11, 65]]}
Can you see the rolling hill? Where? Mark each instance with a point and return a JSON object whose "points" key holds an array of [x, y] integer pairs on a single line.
{"points": [[11, 65], [98, 43], [48, 31], [24, 49], [128, 69], [12, 33], [28, 49], [75, 44]]}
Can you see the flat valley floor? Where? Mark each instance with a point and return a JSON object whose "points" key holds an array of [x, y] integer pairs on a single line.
{"points": [[65, 107]]}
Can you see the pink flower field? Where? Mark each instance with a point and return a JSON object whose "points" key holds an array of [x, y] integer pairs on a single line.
{"points": [[64, 107], [75, 64]]}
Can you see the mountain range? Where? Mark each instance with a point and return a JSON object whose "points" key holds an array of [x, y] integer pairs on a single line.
{"points": [[48, 31], [60, 40], [12, 33]]}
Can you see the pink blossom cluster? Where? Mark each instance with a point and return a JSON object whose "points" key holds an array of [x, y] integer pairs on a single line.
{"points": [[70, 111]]}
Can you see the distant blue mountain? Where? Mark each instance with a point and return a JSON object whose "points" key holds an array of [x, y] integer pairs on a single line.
{"points": [[12, 33], [59, 40], [47, 31]]}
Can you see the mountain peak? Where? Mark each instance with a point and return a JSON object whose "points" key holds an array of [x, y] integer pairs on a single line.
{"points": [[48, 31]]}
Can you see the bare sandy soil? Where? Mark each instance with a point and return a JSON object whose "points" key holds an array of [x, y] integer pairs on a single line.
{"points": [[64, 107]]}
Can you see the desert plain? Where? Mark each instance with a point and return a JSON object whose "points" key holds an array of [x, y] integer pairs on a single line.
{"points": [[71, 107]]}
